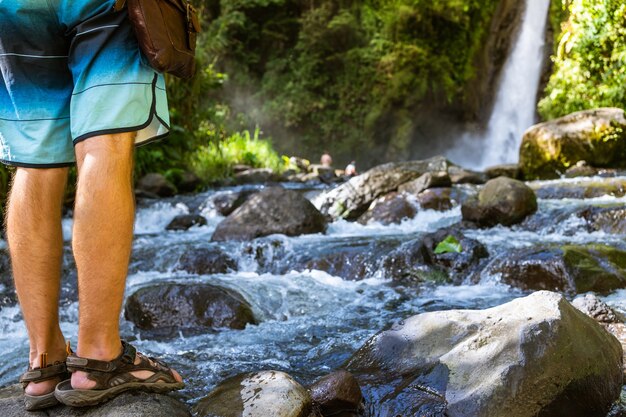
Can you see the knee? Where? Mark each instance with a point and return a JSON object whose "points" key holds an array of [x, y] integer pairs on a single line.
{"points": [[116, 149], [43, 179]]}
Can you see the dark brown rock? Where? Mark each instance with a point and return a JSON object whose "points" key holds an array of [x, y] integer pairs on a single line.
{"points": [[338, 394], [569, 269], [156, 184], [188, 182], [416, 260], [390, 209], [205, 261], [352, 266], [256, 176], [226, 203], [166, 309], [606, 219], [186, 221], [130, 404], [502, 201], [273, 210], [440, 199]]}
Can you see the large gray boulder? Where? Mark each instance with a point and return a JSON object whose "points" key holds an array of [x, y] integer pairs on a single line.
{"points": [[257, 394], [534, 356], [502, 201], [131, 404], [352, 198], [595, 136], [392, 208], [273, 210]]}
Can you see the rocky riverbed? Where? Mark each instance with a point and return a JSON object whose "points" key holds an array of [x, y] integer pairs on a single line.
{"points": [[316, 299]]}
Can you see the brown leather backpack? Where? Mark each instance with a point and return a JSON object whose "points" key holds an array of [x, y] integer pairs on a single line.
{"points": [[166, 31]]}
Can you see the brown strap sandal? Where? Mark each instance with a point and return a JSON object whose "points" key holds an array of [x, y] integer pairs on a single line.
{"points": [[114, 377], [43, 373]]}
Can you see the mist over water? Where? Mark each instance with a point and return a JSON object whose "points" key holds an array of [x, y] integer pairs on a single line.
{"points": [[514, 108]]}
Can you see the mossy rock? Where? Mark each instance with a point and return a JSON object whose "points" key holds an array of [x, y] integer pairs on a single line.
{"points": [[595, 136]]}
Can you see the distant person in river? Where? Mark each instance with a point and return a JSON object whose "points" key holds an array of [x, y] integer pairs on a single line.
{"points": [[351, 169], [80, 93], [326, 160]]}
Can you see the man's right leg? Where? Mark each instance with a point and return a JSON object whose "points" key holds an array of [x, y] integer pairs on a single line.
{"points": [[36, 245]]}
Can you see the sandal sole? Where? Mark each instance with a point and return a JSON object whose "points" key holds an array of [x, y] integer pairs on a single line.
{"points": [[66, 395], [39, 402]]}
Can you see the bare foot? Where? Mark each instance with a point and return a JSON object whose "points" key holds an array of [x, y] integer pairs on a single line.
{"points": [[45, 387]]}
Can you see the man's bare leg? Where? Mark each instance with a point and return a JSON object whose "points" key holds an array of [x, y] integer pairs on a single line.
{"points": [[35, 240], [102, 241]]}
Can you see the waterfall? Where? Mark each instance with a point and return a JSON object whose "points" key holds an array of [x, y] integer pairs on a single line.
{"points": [[515, 102]]}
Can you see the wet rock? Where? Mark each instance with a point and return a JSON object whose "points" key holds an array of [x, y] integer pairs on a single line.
{"points": [[226, 203], [352, 199], [570, 269], [389, 209], [597, 309], [352, 266], [337, 394], [326, 174], [256, 394], [7, 289], [255, 176], [167, 309], [606, 219], [595, 136], [426, 181], [131, 404], [237, 168], [601, 312], [439, 199], [534, 356], [504, 170], [205, 261], [186, 221], [460, 175], [188, 182], [416, 260], [155, 185], [502, 201], [581, 169], [273, 210], [579, 190]]}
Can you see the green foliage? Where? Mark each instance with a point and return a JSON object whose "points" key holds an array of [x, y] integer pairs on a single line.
{"points": [[590, 61], [338, 74], [449, 245], [215, 160]]}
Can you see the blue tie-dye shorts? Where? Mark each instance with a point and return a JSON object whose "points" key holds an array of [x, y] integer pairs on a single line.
{"points": [[71, 70]]}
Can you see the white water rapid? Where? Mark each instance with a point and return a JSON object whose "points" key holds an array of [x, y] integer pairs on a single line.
{"points": [[515, 102]]}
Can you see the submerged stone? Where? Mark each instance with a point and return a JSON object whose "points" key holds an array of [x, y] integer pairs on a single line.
{"points": [[534, 356]]}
